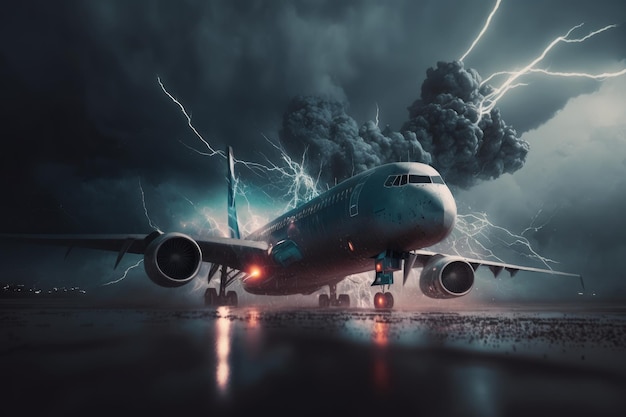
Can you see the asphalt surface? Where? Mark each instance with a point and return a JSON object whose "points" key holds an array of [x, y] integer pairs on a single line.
{"points": [[59, 360]]}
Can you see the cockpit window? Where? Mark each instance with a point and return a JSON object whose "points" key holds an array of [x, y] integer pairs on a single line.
{"points": [[400, 180], [419, 179], [390, 180]]}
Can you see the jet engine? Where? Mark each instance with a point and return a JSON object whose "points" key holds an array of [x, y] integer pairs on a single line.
{"points": [[446, 277], [172, 259]]}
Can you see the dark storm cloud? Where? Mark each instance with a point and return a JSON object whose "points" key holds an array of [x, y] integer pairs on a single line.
{"points": [[336, 147], [466, 146], [444, 129]]}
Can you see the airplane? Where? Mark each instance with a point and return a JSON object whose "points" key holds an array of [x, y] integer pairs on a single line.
{"points": [[380, 220]]}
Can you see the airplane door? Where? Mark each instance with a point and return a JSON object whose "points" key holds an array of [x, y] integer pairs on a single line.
{"points": [[354, 198]]}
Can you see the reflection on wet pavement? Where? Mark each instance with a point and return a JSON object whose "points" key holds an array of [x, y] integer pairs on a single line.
{"points": [[240, 360]]}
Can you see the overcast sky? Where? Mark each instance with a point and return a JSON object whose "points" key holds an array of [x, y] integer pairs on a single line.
{"points": [[84, 120]]}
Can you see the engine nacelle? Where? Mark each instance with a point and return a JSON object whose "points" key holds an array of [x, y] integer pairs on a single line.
{"points": [[446, 277], [172, 259]]}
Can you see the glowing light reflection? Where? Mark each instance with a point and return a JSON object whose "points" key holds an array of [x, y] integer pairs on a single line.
{"points": [[222, 349], [253, 332], [380, 336]]}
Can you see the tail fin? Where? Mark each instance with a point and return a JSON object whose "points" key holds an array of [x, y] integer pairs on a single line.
{"points": [[233, 224]]}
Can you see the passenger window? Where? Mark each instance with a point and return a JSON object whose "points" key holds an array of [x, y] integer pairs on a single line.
{"points": [[437, 179], [390, 180]]}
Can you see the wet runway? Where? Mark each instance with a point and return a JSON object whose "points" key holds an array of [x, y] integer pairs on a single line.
{"points": [[61, 360]]}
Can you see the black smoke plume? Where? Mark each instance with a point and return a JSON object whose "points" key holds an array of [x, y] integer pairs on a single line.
{"points": [[444, 130]]}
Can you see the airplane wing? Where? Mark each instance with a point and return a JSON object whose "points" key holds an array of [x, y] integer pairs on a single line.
{"points": [[234, 253], [418, 259]]}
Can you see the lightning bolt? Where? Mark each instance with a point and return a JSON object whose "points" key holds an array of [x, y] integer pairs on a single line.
{"points": [[534, 228], [152, 225], [491, 99], [208, 225], [301, 186], [193, 129], [482, 32], [125, 273], [145, 209], [475, 234], [377, 110], [600, 76]]}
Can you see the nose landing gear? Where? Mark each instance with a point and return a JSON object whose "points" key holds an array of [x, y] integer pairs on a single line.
{"points": [[385, 265]]}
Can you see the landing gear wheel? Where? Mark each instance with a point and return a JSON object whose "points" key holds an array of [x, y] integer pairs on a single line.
{"points": [[383, 300], [379, 300], [210, 297], [324, 300], [231, 298], [343, 300], [388, 300]]}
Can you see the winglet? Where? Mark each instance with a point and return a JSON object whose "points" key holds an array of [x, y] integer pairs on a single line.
{"points": [[582, 283], [233, 224]]}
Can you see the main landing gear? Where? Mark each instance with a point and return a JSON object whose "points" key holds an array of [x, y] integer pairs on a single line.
{"points": [[327, 300], [213, 298]]}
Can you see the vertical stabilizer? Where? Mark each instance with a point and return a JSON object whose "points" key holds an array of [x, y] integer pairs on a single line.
{"points": [[233, 224]]}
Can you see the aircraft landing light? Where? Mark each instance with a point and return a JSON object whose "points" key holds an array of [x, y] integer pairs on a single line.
{"points": [[254, 272]]}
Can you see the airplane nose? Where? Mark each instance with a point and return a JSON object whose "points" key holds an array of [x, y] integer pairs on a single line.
{"points": [[449, 211], [439, 212], [416, 216]]}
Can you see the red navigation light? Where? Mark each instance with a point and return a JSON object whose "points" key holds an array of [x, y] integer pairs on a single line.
{"points": [[379, 267]]}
